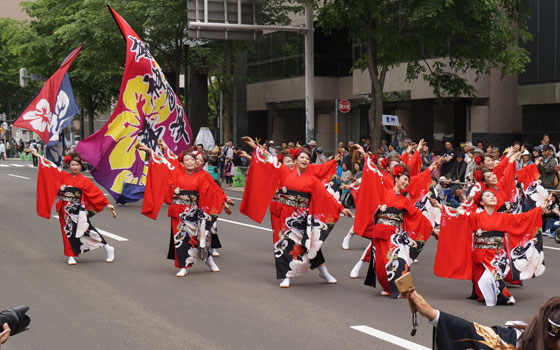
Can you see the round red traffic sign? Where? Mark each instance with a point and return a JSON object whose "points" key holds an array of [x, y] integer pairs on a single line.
{"points": [[344, 106]]}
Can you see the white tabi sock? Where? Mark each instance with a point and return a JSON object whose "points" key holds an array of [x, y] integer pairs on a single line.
{"points": [[285, 283], [356, 270], [110, 253], [324, 273], [212, 265]]}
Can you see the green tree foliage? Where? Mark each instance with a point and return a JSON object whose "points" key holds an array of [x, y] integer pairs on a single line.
{"points": [[13, 98], [61, 25], [457, 36]]}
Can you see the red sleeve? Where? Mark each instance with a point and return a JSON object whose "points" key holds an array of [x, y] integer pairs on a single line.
{"points": [[158, 185], [416, 224], [49, 180], [171, 157], [519, 225], [528, 175], [324, 172], [94, 197], [507, 182], [324, 206], [210, 200], [216, 190], [262, 181], [454, 250], [415, 164], [501, 167], [370, 196], [405, 158], [419, 185]]}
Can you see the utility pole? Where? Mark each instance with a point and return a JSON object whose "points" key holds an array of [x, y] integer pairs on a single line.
{"points": [[309, 76]]}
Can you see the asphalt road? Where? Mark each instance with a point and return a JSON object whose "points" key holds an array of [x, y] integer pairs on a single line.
{"points": [[138, 303]]}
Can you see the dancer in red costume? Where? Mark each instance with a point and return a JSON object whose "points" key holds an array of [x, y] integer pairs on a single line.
{"points": [[399, 231], [485, 257], [308, 213], [79, 199], [194, 204]]}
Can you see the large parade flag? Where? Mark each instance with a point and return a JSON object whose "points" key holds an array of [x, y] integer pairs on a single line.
{"points": [[52, 109], [147, 110]]}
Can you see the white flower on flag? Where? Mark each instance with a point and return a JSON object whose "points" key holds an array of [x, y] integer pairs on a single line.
{"points": [[60, 110], [40, 117]]}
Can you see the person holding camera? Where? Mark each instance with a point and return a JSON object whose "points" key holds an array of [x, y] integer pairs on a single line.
{"points": [[79, 199], [452, 332], [5, 334]]}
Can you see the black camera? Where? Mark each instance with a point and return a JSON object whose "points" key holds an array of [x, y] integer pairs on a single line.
{"points": [[15, 318]]}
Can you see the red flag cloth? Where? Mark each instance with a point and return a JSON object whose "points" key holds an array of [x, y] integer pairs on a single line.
{"points": [[260, 185], [38, 113], [528, 175], [370, 196]]}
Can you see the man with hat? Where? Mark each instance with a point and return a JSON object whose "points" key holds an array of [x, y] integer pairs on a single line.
{"points": [[459, 169], [313, 150], [547, 167], [321, 158], [524, 160], [271, 148]]}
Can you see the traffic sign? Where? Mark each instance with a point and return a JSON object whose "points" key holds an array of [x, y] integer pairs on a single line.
{"points": [[344, 106]]}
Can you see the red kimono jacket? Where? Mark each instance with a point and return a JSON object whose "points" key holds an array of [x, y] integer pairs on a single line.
{"points": [[49, 180], [454, 254]]}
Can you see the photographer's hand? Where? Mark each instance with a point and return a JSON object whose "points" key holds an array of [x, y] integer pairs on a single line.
{"points": [[5, 334]]}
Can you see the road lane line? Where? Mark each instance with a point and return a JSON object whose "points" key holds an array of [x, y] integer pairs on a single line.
{"points": [[553, 248], [5, 165], [21, 177], [30, 166], [246, 225], [17, 165], [105, 233], [403, 343], [237, 199], [112, 235]]}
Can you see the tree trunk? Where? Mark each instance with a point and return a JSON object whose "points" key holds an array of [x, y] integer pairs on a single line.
{"points": [[376, 108], [91, 115], [228, 93], [198, 100]]}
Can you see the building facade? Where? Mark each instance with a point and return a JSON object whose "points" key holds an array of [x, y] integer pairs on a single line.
{"points": [[276, 110]]}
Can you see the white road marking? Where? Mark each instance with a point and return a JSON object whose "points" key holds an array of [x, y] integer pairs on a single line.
{"points": [[403, 343], [30, 166], [21, 177], [4, 165], [237, 199], [17, 165], [105, 233], [246, 225], [113, 236], [553, 248]]}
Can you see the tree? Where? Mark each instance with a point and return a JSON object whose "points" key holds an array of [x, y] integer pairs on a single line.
{"points": [[61, 25], [459, 36], [13, 98]]}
